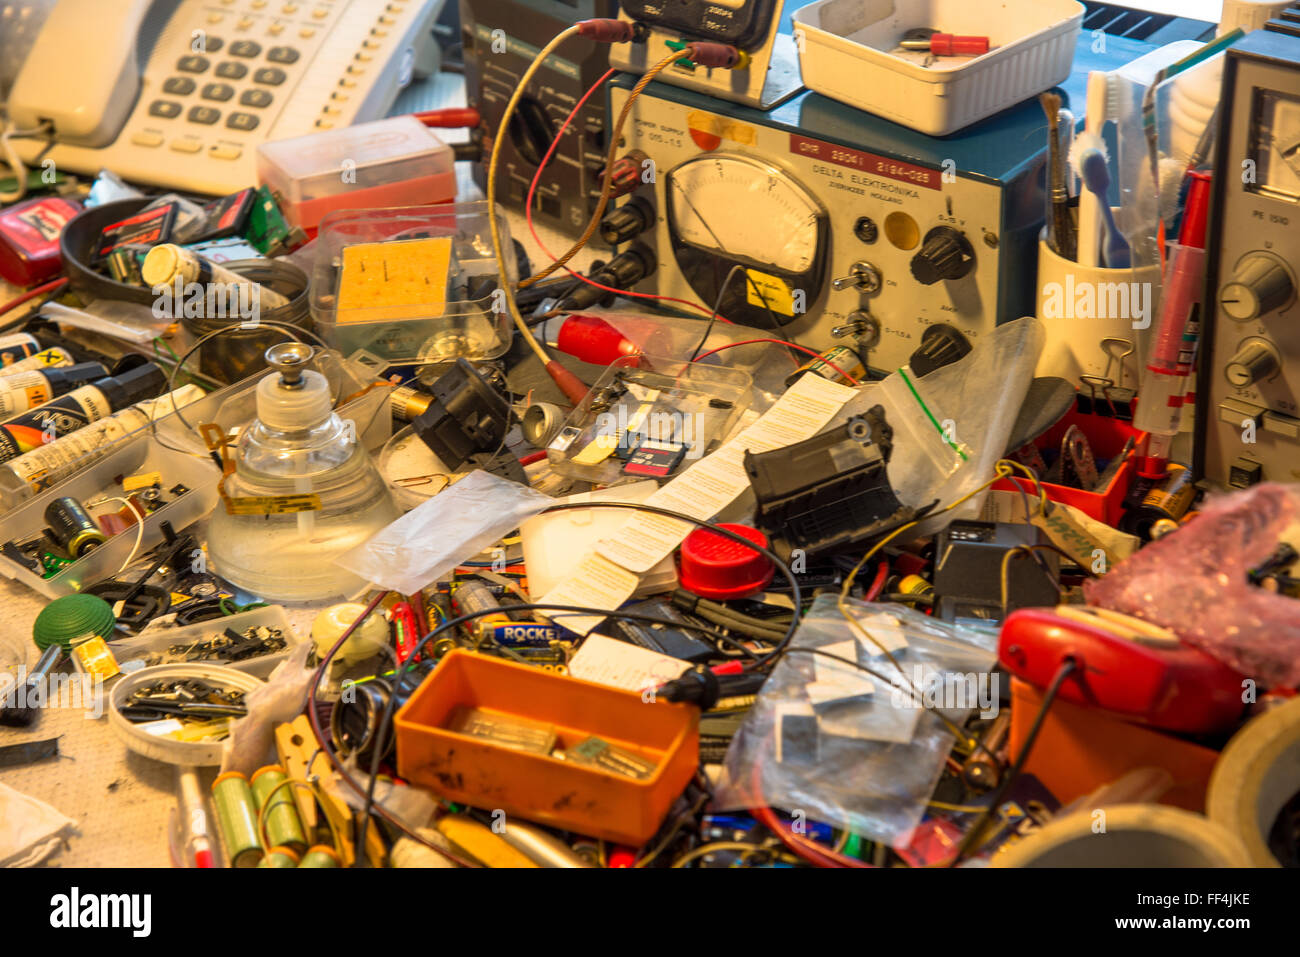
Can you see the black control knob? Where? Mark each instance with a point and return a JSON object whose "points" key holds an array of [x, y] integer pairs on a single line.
{"points": [[945, 254]]}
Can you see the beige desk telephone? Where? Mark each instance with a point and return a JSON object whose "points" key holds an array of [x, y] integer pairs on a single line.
{"points": [[179, 93]]}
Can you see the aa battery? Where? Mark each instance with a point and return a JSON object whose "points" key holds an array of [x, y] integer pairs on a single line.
{"points": [[237, 819], [27, 390], [17, 346], [54, 358], [841, 357], [80, 407], [321, 855], [72, 527], [172, 265], [1169, 497], [276, 804]]}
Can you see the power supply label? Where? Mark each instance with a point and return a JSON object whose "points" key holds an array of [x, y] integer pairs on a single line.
{"points": [[866, 162]]}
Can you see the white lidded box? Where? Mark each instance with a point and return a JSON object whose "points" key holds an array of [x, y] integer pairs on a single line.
{"points": [[844, 53]]}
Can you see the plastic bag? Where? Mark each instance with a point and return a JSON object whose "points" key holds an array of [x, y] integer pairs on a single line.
{"points": [[826, 742], [1195, 583], [282, 698], [432, 539], [952, 425]]}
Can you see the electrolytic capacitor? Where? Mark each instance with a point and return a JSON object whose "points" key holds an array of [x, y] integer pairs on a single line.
{"points": [[71, 526]]}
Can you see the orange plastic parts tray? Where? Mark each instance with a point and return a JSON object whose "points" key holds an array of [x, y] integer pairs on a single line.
{"points": [[564, 794]]}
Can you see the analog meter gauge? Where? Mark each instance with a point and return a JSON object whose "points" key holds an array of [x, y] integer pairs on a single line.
{"points": [[728, 210]]}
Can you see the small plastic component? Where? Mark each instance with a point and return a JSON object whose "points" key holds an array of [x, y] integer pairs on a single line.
{"points": [[466, 416], [830, 491], [940, 345], [714, 566], [714, 55], [390, 162]]}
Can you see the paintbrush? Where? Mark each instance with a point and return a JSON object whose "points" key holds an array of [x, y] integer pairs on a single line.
{"points": [[1060, 230]]}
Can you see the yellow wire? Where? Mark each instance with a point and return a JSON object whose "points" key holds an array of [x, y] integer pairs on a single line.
{"points": [[745, 849], [1003, 468], [501, 133]]}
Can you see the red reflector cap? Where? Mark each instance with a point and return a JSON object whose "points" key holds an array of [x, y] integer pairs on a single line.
{"points": [[714, 566]]}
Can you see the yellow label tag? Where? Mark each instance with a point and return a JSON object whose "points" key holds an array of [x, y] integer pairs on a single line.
{"points": [[404, 279], [135, 483], [94, 658], [273, 505], [776, 293]]}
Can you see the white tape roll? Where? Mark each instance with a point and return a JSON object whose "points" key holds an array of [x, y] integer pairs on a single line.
{"points": [[1257, 775], [1127, 835]]}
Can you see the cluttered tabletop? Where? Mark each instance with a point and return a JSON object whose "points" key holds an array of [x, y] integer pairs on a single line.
{"points": [[513, 442]]}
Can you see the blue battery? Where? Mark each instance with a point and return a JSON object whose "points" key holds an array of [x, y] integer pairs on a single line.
{"points": [[531, 634]]}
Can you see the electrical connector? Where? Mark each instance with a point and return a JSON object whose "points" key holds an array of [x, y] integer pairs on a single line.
{"points": [[606, 30]]}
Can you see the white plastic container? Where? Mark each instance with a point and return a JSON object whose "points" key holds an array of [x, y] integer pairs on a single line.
{"points": [[153, 643], [191, 753], [844, 53]]}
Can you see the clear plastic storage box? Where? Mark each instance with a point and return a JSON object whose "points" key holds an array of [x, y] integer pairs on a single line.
{"points": [[177, 454], [393, 162], [166, 646], [412, 284]]}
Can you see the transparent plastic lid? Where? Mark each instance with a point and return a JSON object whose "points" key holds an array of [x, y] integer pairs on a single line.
{"points": [[412, 283]]}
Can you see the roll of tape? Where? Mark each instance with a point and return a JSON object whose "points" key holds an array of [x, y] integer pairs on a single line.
{"points": [[1257, 775], [1127, 835]]}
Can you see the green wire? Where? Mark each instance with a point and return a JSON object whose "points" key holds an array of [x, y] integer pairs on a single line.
{"points": [[930, 415]]}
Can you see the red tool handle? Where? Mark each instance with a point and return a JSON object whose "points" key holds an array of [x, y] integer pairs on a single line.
{"points": [[945, 44]]}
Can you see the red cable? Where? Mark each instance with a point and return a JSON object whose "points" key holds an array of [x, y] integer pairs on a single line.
{"points": [[528, 214], [32, 294], [780, 342], [809, 850], [532, 457], [879, 584]]}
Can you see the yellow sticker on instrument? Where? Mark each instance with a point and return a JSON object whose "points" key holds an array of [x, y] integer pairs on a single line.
{"points": [[772, 293]]}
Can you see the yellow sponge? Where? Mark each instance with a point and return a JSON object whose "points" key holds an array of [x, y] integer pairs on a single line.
{"points": [[401, 279]]}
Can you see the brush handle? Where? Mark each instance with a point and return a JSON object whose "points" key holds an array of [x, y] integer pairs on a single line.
{"points": [[1089, 206]]}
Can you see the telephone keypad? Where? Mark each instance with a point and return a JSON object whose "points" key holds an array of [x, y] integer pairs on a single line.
{"points": [[179, 86], [269, 76], [258, 99], [245, 48], [230, 70], [220, 92], [244, 122], [284, 55], [205, 115], [192, 63], [166, 109]]}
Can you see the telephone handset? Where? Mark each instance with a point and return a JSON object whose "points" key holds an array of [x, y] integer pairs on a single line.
{"points": [[179, 93]]}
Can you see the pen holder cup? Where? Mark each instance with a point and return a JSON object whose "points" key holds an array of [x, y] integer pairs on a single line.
{"points": [[1098, 320]]}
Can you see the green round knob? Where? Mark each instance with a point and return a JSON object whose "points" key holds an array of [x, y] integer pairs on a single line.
{"points": [[70, 617]]}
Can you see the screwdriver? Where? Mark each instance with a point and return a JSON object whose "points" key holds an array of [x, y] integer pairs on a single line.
{"points": [[945, 44], [19, 714]]}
